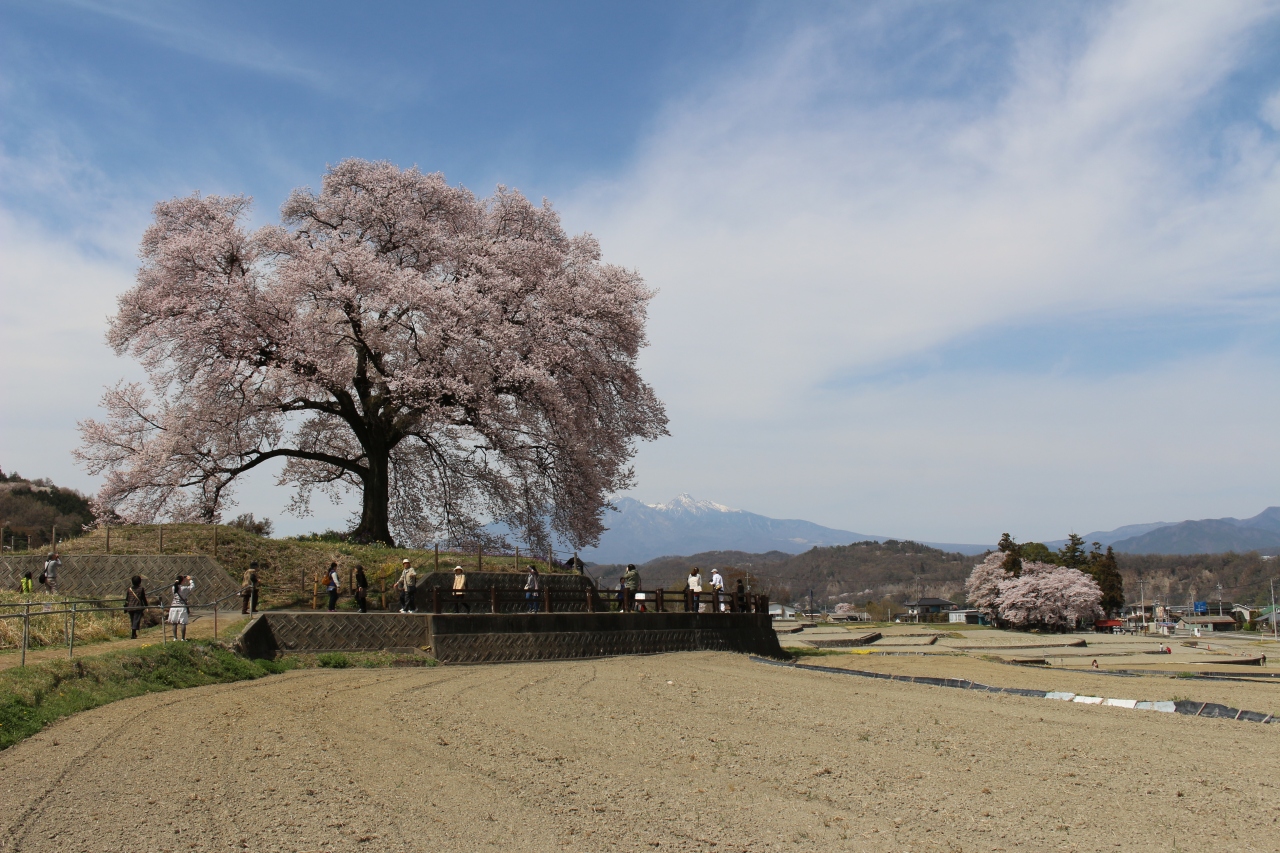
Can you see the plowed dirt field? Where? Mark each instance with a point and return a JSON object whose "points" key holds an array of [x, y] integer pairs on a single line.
{"points": [[697, 751]]}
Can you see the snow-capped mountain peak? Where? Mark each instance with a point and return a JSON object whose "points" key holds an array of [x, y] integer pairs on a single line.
{"points": [[686, 502]]}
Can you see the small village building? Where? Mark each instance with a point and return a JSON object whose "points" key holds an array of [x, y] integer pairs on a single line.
{"points": [[929, 609], [782, 611], [967, 616], [1207, 624]]}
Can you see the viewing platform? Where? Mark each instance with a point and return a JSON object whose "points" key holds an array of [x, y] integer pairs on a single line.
{"points": [[568, 618]]}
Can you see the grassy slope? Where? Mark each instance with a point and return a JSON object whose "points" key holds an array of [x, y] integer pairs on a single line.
{"points": [[288, 567], [32, 697]]}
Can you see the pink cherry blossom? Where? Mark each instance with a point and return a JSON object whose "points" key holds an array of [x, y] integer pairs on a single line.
{"points": [[453, 359]]}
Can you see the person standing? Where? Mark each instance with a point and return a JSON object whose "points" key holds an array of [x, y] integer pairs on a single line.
{"points": [[362, 590], [693, 583], [135, 603], [249, 589], [331, 584], [25, 585], [179, 605], [741, 594], [460, 589], [52, 564], [532, 589], [400, 585], [717, 584], [408, 584], [631, 585]]}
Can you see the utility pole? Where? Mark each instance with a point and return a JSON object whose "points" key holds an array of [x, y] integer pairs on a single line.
{"points": [[1275, 633], [1142, 603], [1219, 598]]}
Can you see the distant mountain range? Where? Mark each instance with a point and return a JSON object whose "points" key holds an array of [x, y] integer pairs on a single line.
{"points": [[640, 532], [1206, 536]]}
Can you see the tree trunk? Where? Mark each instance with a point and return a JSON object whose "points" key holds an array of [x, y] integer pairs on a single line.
{"points": [[375, 514]]}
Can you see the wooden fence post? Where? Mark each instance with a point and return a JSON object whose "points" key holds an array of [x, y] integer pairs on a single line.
{"points": [[479, 558], [161, 539], [437, 556], [493, 599], [546, 598], [107, 528], [435, 599]]}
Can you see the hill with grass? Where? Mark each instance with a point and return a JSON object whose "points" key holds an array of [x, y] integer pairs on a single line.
{"points": [[288, 568]]}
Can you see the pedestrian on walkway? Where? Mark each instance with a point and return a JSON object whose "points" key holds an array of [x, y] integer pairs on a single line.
{"points": [[249, 589], [331, 584], [362, 590], [693, 584], [179, 607], [460, 589], [25, 585], [532, 589], [408, 585], [717, 584], [631, 584], [52, 564], [135, 603]]}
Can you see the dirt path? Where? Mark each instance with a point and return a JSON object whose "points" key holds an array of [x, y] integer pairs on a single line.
{"points": [[696, 751], [201, 627]]}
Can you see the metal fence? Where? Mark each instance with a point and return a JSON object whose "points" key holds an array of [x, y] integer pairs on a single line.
{"points": [[71, 608]]}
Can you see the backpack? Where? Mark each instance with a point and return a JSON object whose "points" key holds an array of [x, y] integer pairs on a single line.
{"points": [[44, 578]]}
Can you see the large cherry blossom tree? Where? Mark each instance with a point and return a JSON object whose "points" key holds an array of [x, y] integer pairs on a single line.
{"points": [[453, 359], [1042, 596]]}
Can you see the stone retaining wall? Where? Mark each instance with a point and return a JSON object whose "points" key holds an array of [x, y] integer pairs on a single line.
{"points": [[488, 638], [107, 575]]}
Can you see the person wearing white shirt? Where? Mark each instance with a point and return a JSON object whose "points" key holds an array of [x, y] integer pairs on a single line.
{"points": [[717, 583], [179, 607], [693, 583]]}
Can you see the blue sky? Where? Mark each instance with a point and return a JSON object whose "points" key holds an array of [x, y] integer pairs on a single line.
{"points": [[937, 270]]}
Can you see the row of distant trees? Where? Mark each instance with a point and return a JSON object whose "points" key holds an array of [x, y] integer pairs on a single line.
{"points": [[1029, 586]]}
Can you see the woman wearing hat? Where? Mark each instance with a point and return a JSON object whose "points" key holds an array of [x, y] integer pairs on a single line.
{"points": [[460, 589]]}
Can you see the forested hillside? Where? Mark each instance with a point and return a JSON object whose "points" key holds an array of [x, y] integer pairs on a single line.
{"points": [[31, 509], [901, 570]]}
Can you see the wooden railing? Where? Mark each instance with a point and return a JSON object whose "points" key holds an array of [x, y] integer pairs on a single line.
{"points": [[590, 600]]}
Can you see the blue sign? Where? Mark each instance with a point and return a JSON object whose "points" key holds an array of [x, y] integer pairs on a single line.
{"points": [[1202, 608]]}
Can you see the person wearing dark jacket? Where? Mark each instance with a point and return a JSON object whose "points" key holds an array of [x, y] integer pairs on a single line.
{"points": [[135, 604], [630, 586], [362, 590]]}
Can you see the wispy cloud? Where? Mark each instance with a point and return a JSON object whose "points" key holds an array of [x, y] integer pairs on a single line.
{"points": [[805, 228], [188, 29]]}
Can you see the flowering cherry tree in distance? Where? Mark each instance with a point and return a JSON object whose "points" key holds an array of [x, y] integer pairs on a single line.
{"points": [[453, 359], [1044, 595]]}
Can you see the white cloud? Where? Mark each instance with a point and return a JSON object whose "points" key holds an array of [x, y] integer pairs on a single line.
{"points": [[799, 234]]}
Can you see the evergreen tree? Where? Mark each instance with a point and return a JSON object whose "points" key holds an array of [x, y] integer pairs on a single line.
{"points": [[1072, 554], [1012, 555], [1106, 573]]}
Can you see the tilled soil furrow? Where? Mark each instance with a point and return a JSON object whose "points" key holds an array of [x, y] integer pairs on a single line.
{"points": [[694, 751]]}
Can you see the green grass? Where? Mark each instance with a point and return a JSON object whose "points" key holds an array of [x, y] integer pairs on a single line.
{"points": [[289, 568], [32, 697]]}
